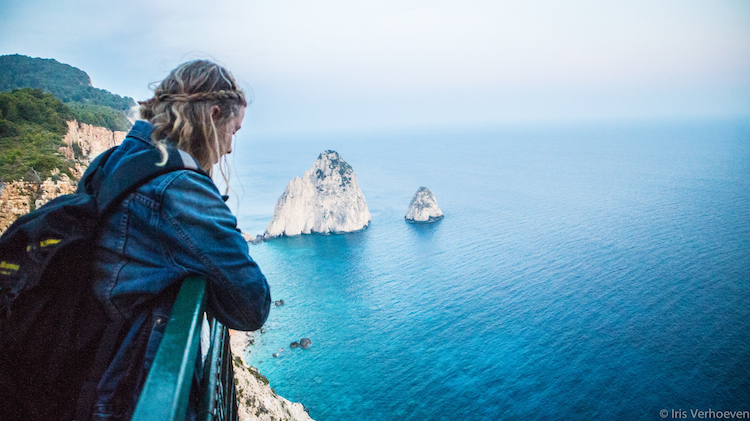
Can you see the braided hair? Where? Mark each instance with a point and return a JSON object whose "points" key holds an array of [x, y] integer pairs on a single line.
{"points": [[180, 110]]}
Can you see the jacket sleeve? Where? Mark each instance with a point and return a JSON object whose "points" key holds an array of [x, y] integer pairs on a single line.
{"points": [[208, 243]]}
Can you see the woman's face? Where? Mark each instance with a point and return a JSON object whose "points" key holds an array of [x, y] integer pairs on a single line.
{"points": [[230, 128]]}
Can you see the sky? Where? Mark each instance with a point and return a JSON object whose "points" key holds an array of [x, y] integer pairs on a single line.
{"points": [[345, 65]]}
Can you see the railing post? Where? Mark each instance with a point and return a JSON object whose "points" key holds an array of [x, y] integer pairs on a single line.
{"points": [[218, 397], [167, 388]]}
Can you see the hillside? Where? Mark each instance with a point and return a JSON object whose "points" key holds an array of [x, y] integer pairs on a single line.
{"points": [[32, 127], [43, 150], [71, 85], [52, 123]]}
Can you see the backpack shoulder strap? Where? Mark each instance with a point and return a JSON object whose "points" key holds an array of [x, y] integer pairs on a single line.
{"points": [[104, 354], [136, 170]]}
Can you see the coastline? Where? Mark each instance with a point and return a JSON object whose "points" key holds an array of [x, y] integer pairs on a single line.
{"points": [[256, 400]]}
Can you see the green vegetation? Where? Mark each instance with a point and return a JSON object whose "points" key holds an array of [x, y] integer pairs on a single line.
{"points": [[99, 115], [49, 75], [32, 126], [263, 379], [37, 97], [73, 86]]}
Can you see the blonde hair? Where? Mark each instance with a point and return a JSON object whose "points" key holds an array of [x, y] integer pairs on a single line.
{"points": [[180, 110]]}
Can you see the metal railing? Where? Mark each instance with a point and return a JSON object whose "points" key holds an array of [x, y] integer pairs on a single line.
{"points": [[219, 397], [165, 394]]}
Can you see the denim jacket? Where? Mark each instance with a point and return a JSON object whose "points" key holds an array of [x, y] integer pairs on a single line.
{"points": [[174, 226]]}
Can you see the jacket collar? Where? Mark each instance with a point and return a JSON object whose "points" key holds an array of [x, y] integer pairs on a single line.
{"points": [[141, 130]]}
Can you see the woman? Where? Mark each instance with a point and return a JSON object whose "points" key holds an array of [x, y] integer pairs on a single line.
{"points": [[174, 226]]}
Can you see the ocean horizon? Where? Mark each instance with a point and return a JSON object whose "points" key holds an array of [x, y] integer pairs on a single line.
{"points": [[581, 272]]}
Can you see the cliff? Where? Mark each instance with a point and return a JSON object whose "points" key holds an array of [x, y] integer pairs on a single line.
{"points": [[423, 207], [325, 200], [18, 198], [255, 397], [83, 143]]}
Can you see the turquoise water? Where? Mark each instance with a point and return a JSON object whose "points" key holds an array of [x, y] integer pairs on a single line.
{"points": [[593, 272]]}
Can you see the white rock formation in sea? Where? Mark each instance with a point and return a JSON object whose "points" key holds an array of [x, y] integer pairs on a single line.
{"points": [[423, 207], [325, 200]]}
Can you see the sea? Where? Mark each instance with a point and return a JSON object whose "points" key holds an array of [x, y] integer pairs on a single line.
{"points": [[582, 271]]}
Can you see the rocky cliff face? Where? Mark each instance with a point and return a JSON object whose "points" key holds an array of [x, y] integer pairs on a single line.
{"points": [[325, 200], [255, 398], [423, 207], [83, 143], [18, 198]]}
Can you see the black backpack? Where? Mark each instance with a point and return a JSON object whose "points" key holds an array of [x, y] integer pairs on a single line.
{"points": [[56, 340]]}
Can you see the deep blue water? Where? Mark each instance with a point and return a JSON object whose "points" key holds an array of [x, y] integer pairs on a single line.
{"points": [[590, 272]]}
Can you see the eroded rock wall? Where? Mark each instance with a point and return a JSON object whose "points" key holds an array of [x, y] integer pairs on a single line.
{"points": [[21, 197], [91, 140]]}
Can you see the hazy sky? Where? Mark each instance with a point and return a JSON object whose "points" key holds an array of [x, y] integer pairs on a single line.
{"points": [[354, 64]]}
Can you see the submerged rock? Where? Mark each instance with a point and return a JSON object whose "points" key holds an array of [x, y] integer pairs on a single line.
{"points": [[325, 200], [423, 207], [305, 343]]}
